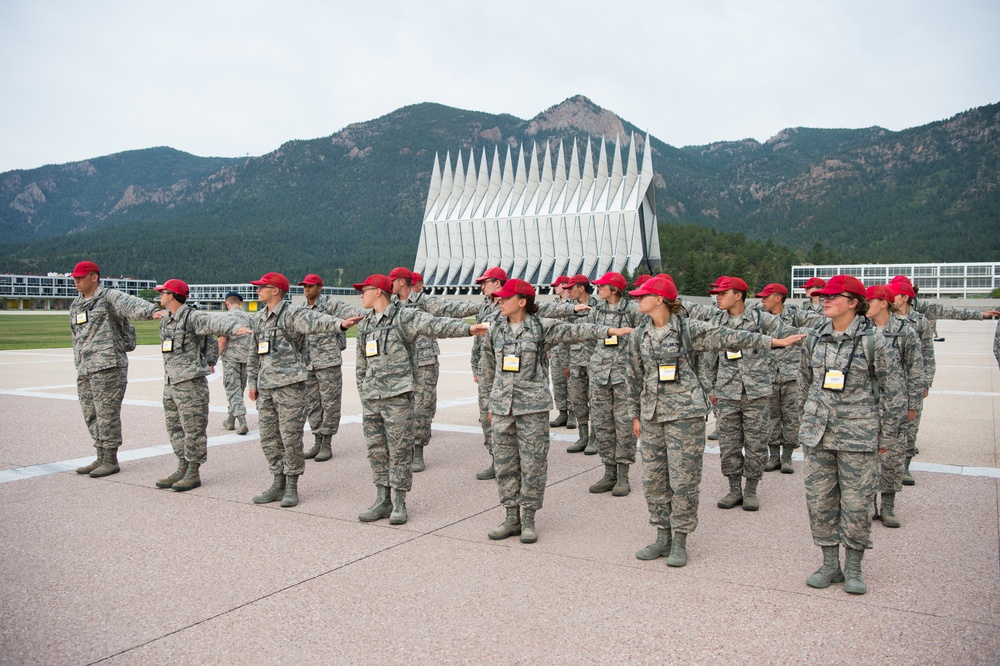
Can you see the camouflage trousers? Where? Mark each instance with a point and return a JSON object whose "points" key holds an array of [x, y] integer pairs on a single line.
{"points": [[560, 392], [234, 378], [101, 394], [890, 460], [911, 431], [521, 458], [387, 424], [578, 386], [840, 487], [672, 455], [324, 387], [484, 414], [611, 423], [185, 409], [281, 417], [784, 411], [425, 389], [743, 436]]}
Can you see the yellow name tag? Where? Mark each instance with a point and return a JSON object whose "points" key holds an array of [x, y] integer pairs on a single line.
{"points": [[81, 317], [511, 364], [668, 373], [167, 345], [611, 342], [833, 380], [371, 348], [732, 356], [264, 347]]}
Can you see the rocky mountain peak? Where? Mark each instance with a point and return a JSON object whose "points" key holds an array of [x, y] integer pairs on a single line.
{"points": [[578, 113]]}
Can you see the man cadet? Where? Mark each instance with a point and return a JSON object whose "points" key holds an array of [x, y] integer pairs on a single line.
{"points": [[701, 312], [577, 379], [98, 320], [277, 377], [784, 403], [387, 342], [558, 362], [325, 383], [190, 352], [743, 387], [815, 299], [426, 368], [489, 283], [234, 352]]}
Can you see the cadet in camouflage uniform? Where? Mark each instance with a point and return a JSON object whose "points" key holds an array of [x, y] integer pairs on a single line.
{"points": [[578, 360], [97, 320], [904, 341], [325, 383], [783, 436], [190, 352], [277, 376], [743, 387], [704, 313], [668, 407], [559, 363], [609, 388], [426, 368], [996, 344], [387, 350], [234, 352], [514, 363], [850, 384], [489, 283], [814, 302]]}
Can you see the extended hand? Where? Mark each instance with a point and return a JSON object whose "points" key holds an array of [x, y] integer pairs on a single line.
{"points": [[243, 330], [350, 322], [620, 331], [160, 314], [787, 342], [479, 329]]}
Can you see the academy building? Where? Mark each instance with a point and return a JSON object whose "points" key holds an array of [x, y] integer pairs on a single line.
{"points": [[539, 221], [968, 280]]}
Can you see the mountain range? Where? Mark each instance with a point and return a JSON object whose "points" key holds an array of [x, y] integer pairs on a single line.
{"points": [[350, 204]]}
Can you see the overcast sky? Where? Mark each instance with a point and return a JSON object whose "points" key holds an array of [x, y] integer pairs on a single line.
{"points": [[85, 79]]}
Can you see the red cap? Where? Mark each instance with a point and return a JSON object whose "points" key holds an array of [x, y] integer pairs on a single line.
{"points": [[416, 277], [881, 292], [661, 285], [640, 279], [577, 279], [718, 281], [901, 278], [272, 280], [562, 279], [174, 285], [725, 283], [311, 279], [376, 280], [840, 284], [400, 272], [85, 268], [773, 288], [496, 273], [612, 279], [514, 288], [902, 287], [814, 282]]}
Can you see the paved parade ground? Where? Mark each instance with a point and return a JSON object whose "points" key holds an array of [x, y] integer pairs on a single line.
{"points": [[115, 571]]}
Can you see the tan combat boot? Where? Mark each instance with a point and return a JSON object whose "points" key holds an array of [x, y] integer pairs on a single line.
{"points": [[854, 582], [622, 488], [291, 496], [398, 515], [191, 478], [735, 496], [786, 460], [750, 501], [418, 460], [606, 482], [317, 445], [325, 448], [580, 444], [774, 459], [109, 464], [274, 493], [528, 534], [230, 422], [659, 548], [244, 429], [830, 572], [511, 526], [382, 508], [168, 482], [678, 551], [87, 469]]}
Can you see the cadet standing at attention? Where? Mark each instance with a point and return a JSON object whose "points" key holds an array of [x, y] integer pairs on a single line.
{"points": [[853, 401], [514, 363], [277, 376], [234, 352], [190, 352], [489, 283], [559, 363], [669, 405], [325, 383], [577, 379], [609, 388], [386, 354], [98, 319]]}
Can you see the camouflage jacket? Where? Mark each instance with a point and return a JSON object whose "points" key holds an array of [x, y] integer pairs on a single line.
{"points": [[323, 350], [786, 359], [609, 358], [808, 306], [857, 417], [558, 309], [681, 395], [926, 334], [96, 324], [238, 347], [901, 337], [526, 389], [187, 340], [387, 348], [752, 372], [427, 348], [698, 311], [580, 351], [279, 344], [489, 311], [935, 311]]}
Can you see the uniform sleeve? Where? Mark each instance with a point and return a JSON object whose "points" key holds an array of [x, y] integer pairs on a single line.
{"points": [[927, 349], [253, 363], [557, 332], [414, 323], [804, 382], [942, 311], [440, 307], [487, 369], [360, 360], [337, 308], [913, 366], [223, 326], [130, 307], [709, 337], [304, 322], [698, 311], [635, 375], [210, 350], [892, 397], [560, 310]]}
